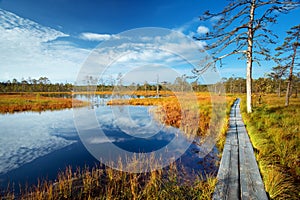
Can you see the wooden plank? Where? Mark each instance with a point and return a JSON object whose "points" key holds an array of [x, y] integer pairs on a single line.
{"points": [[252, 186], [228, 175], [251, 183], [234, 190], [238, 175]]}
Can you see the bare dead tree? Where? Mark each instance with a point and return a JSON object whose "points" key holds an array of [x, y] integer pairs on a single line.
{"points": [[242, 28], [288, 52]]}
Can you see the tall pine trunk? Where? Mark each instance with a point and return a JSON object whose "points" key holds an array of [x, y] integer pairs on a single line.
{"points": [[279, 88], [249, 58], [289, 86], [288, 91]]}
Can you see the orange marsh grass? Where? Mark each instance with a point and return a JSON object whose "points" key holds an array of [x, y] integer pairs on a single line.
{"points": [[99, 183], [29, 102], [179, 111], [108, 183]]}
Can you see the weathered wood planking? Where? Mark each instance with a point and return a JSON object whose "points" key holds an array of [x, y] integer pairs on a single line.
{"points": [[251, 183], [238, 176]]}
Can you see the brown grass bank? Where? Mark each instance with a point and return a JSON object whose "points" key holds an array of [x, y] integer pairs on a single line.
{"points": [[34, 102]]}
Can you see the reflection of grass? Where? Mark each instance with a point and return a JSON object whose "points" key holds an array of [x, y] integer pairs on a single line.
{"points": [[275, 134], [17, 103], [181, 111]]}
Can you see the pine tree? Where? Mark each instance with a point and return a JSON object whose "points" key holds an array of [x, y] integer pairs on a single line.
{"points": [[277, 73], [243, 27], [287, 54]]}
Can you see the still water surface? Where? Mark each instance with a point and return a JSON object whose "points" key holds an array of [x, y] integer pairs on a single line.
{"points": [[39, 145]]}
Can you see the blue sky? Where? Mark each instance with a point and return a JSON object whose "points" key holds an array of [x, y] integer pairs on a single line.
{"points": [[53, 38]]}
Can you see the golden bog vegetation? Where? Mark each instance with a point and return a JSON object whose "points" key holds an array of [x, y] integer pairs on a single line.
{"points": [[107, 183], [35, 102], [186, 111], [274, 131], [149, 93], [96, 183]]}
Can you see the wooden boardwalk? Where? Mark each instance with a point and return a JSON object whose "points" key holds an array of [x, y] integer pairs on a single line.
{"points": [[238, 175]]}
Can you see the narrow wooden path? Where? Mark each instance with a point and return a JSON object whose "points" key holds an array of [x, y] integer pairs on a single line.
{"points": [[238, 176]]}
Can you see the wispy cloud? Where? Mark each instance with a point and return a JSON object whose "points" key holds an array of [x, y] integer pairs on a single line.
{"points": [[201, 44], [142, 54], [29, 49], [96, 36], [191, 28], [186, 27]]}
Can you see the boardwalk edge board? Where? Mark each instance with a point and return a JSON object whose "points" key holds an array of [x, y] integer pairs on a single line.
{"points": [[238, 175]]}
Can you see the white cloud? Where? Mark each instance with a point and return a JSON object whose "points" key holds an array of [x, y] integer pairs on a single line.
{"points": [[145, 56], [15, 25], [202, 30], [185, 27], [96, 36], [201, 44], [29, 49]]}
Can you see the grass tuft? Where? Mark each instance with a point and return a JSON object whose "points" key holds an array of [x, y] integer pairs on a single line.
{"points": [[274, 133]]}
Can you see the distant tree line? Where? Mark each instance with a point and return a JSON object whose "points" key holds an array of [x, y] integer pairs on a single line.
{"points": [[43, 84], [266, 85], [269, 84]]}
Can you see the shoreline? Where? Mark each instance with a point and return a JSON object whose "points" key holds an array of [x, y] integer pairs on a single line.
{"points": [[11, 103]]}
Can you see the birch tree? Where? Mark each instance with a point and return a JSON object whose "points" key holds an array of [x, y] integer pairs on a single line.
{"points": [[241, 28], [289, 51]]}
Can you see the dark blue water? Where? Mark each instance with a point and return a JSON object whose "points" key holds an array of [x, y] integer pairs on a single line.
{"points": [[39, 145]]}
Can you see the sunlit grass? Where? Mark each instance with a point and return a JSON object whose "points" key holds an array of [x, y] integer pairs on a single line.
{"points": [[181, 109], [99, 183], [18, 103], [275, 134], [138, 93]]}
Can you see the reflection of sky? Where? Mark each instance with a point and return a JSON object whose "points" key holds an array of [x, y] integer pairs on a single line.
{"points": [[131, 127], [136, 121], [29, 135], [129, 131]]}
